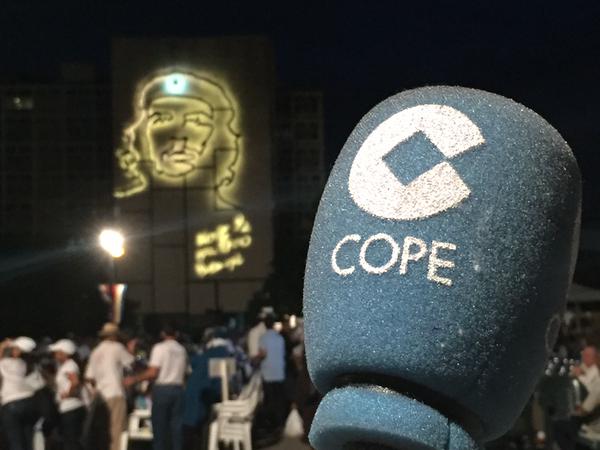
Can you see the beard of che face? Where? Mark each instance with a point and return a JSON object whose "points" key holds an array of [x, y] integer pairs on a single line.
{"points": [[173, 146], [164, 162]]}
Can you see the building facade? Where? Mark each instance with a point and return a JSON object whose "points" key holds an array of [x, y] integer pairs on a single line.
{"points": [[192, 136], [298, 165], [54, 176], [299, 175], [211, 173]]}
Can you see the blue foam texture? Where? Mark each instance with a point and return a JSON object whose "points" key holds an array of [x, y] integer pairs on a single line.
{"points": [[368, 414], [479, 342]]}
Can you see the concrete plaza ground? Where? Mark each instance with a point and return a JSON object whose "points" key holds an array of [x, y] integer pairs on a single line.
{"points": [[289, 444]]}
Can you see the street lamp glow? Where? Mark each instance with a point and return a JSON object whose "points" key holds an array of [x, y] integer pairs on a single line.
{"points": [[113, 242]]}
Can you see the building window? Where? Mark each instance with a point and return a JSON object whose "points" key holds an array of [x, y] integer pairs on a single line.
{"points": [[18, 129], [306, 130], [305, 104], [18, 103]]}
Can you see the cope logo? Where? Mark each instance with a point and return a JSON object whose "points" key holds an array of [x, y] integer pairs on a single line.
{"points": [[376, 190]]}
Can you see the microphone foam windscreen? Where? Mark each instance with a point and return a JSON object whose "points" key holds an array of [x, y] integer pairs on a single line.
{"points": [[440, 259]]}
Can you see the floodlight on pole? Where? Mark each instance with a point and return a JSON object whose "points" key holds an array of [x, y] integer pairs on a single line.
{"points": [[112, 242]]}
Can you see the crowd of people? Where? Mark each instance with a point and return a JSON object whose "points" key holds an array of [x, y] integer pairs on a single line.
{"points": [[78, 394]]}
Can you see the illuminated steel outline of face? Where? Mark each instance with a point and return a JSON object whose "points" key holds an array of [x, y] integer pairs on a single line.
{"points": [[212, 117]]}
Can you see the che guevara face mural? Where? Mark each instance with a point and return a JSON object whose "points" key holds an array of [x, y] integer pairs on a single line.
{"points": [[183, 122], [183, 129], [177, 132]]}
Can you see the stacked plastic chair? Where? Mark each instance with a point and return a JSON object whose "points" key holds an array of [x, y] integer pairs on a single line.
{"points": [[233, 422]]}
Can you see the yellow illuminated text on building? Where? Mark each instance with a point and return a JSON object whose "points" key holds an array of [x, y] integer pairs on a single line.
{"points": [[219, 249]]}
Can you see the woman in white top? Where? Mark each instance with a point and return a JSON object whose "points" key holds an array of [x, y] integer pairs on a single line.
{"points": [[19, 412], [68, 394]]}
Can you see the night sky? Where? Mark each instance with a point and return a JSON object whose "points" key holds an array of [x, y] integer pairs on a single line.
{"points": [[545, 55]]}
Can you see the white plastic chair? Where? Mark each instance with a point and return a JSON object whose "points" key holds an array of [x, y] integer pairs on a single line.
{"points": [[124, 440], [139, 427], [39, 443], [222, 368], [589, 437], [233, 424]]}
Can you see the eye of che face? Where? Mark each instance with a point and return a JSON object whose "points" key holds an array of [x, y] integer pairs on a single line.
{"points": [[160, 118], [197, 119], [179, 111]]}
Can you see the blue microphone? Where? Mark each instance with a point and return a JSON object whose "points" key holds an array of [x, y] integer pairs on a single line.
{"points": [[439, 263]]}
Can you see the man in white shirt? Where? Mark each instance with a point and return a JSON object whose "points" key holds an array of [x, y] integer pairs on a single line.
{"points": [[68, 394], [167, 368], [272, 367], [105, 372], [587, 415], [587, 372], [253, 339]]}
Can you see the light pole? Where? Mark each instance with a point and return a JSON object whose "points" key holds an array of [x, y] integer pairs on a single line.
{"points": [[113, 243]]}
